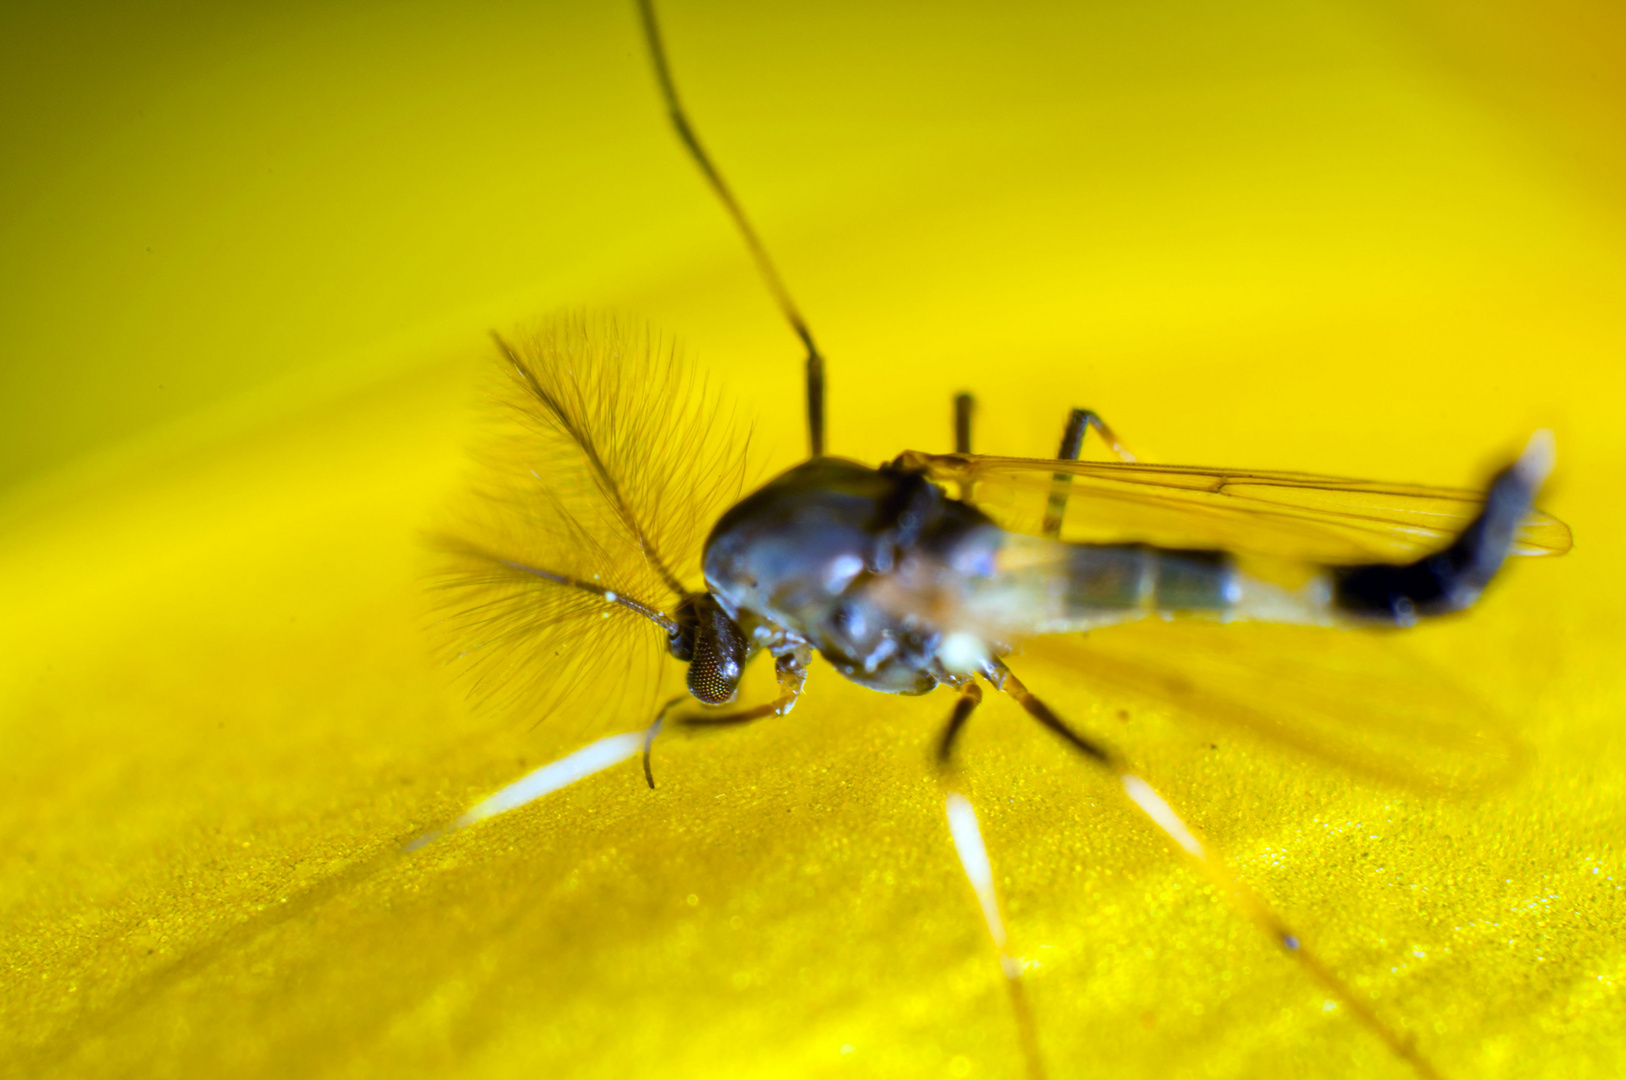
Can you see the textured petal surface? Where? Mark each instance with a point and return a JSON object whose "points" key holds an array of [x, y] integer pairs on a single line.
{"points": [[251, 259]]}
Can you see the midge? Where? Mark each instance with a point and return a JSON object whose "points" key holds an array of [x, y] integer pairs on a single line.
{"points": [[931, 569]]}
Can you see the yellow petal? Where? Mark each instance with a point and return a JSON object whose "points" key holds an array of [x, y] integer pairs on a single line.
{"points": [[252, 260]]}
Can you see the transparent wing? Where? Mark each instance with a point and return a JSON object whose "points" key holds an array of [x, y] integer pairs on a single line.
{"points": [[603, 462], [1349, 696], [1285, 515]]}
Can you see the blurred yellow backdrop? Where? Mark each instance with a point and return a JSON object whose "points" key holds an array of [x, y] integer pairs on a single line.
{"points": [[250, 258]]}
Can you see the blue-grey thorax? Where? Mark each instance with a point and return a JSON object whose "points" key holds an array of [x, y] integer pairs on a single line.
{"points": [[804, 554]]}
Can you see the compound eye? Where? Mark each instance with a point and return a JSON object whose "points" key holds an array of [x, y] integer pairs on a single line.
{"points": [[719, 655]]}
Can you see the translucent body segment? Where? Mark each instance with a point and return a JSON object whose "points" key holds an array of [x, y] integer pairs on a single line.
{"points": [[1041, 586]]}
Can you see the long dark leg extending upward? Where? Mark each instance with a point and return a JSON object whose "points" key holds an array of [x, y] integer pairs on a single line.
{"points": [[963, 406], [759, 253], [1245, 900], [1079, 421]]}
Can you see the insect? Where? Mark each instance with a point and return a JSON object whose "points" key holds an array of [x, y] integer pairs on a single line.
{"points": [[930, 570]]}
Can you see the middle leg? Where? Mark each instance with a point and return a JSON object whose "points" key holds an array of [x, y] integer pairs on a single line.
{"points": [[970, 698], [978, 869], [963, 406], [790, 667], [1079, 422]]}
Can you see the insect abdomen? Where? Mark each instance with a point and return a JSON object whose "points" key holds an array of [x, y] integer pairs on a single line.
{"points": [[1080, 586], [1044, 586], [1452, 579], [1138, 578]]}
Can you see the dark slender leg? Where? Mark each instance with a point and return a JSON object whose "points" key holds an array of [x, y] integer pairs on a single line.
{"points": [[1246, 901], [963, 404], [1072, 437], [791, 670], [1079, 421], [759, 252], [970, 698], [739, 716], [974, 861], [1005, 682], [815, 390], [649, 739]]}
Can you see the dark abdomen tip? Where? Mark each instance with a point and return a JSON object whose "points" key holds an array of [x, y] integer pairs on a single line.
{"points": [[1452, 579]]}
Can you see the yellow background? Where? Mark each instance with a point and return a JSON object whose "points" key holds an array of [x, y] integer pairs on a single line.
{"points": [[249, 260]]}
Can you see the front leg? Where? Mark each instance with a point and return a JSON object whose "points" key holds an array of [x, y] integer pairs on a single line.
{"points": [[790, 667]]}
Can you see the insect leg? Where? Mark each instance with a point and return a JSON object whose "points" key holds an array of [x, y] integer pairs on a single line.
{"points": [[1248, 902], [963, 404], [759, 254], [1005, 682], [777, 707], [973, 853], [554, 776], [791, 669], [1079, 421], [650, 732], [970, 698], [1252, 905]]}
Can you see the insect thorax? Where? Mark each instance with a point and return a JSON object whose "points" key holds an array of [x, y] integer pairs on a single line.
{"points": [[845, 558]]}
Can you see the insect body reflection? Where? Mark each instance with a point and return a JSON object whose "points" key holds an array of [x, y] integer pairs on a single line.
{"points": [[932, 569]]}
